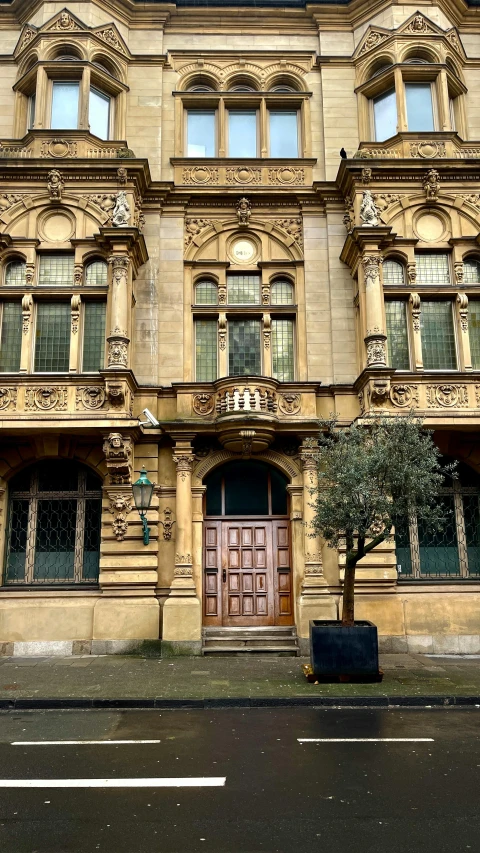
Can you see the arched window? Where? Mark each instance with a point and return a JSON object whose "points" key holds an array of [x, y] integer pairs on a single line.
{"points": [[206, 293], [96, 273], [246, 488], [393, 273], [471, 271], [282, 293], [15, 272], [53, 530]]}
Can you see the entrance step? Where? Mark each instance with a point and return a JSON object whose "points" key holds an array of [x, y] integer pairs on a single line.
{"points": [[238, 641]]}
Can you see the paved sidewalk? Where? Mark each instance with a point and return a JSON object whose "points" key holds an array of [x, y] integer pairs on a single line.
{"points": [[243, 681]]}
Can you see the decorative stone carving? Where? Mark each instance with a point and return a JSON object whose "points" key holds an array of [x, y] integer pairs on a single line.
{"points": [[419, 26], [184, 463], [368, 211], [371, 268], [46, 399], [121, 213], [376, 352], [222, 333], [473, 198], [200, 175], [462, 302], [309, 459], [117, 351], [55, 185], [361, 402], [383, 201], [289, 404], [167, 523], [7, 200], [59, 149], [453, 39], [243, 175], [244, 211], [110, 36], [120, 506], [293, 227], [459, 271], [89, 397], [404, 396], [267, 330], [431, 185], [286, 175], [427, 149], [8, 399], [372, 40], [415, 306], [379, 392], [412, 273], [247, 436], [78, 275], [118, 452], [374, 153], [222, 294], [194, 227], [64, 23], [105, 201], [75, 305], [349, 216], [115, 392], [203, 404], [27, 304], [28, 35], [183, 565], [447, 396], [122, 175], [266, 294]]}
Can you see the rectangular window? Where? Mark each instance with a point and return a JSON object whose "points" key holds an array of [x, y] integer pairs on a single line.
{"points": [[282, 350], [397, 335], [206, 334], [432, 268], [11, 337], [242, 133], [201, 133], [65, 106], [99, 114], [56, 270], [283, 133], [385, 115], [243, 289], [419, 106], [94, 336], [438, 336], [474, 331], [244, 348], [52, 337]]}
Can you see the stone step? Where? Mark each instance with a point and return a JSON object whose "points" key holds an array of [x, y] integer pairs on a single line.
{"points": [[228, 650], [274, 630]]}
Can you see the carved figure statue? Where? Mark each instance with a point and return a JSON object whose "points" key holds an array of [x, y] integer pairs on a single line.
{"points": [[244, 210], [121, 213], [431, 185], [118, 453], [55, 185], [368, 210]]}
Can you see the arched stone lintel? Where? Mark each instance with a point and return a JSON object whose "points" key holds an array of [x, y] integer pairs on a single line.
{"points": [[256, 226], [286, 466], [15, 459]]}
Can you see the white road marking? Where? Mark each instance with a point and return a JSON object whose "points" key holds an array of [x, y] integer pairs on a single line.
{"points": [[365, 739], [165, 782], [75, 742]]}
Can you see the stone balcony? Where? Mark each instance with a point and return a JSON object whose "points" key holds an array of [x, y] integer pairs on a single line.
{"points": [[439, 398], [63, 145], [445, 145], [242, 174]]}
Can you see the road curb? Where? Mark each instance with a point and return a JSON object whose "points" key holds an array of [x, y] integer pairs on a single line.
{"points": [[244, 702]]}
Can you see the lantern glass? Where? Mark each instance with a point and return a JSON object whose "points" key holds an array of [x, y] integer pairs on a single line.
{"points": [[142, 492]]}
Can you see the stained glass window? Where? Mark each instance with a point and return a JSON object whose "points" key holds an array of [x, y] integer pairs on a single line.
{"points": [[244, 347], [282, 293], [243, 289], [397, 335], [56, 270], [206, 293], [438, 336], [94, 336], [11, 337], [432, 268], [282, 350], [52, 337], [206, 333], [393, 273]]}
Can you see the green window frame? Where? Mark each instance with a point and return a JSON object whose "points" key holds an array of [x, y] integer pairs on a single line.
{"points": [[10, 337]]}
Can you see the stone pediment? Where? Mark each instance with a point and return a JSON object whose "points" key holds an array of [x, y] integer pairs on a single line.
{"points": [[416, 25], [373, 38], [66, 22]]}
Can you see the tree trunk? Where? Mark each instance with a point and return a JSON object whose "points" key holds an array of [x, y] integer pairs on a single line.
{"points": [[348, 609]]}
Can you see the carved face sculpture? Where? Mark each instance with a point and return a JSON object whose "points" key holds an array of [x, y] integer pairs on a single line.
{"points": [[64, 20], [116, 440]]}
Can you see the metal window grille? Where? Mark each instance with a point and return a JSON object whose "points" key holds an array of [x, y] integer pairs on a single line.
{"points": [[96, 274], [15, 273], [438, 336], [11, 337], [244, 348], [474, 331], [397, 335], [94, 335], [54, 518], [243, 289], [206, 333], [56, 270], [206, 293], [52, 345], [471, 271], [432, 268], [393, 273], [282, 350], [282, 293]]}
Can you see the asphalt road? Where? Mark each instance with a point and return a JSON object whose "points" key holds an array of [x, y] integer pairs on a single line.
{"points": [[256, 787]]}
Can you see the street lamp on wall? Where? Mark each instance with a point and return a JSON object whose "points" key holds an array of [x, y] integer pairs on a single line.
{"points": [[142, 495]]}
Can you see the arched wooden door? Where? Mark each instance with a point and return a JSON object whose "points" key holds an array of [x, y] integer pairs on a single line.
{"points": [[247, 565]]}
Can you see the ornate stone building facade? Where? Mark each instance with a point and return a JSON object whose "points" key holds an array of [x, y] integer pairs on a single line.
{"points": [[179, 232]]}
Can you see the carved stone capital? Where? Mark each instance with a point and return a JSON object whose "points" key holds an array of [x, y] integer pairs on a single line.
{"points": [[184, 462]]}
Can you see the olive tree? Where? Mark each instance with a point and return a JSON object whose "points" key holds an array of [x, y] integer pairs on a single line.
{"points": [[370, 474]]}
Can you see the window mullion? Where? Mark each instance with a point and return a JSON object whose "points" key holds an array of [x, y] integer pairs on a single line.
{"points": [[84, 100], [401, 101], [263, 128], [222, 130]]}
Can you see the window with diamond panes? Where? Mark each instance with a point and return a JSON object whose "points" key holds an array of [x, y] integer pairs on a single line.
{"points": [[393, 273], [438, 336], [433, 268], [93, 335], [11, 337], [281, 293], [15, 273], [474, 331], [206, 335], [56, 270], [397, 335], [243, 289], [52, 337], [471, 271], [244, 347], [282, 350], [96, 274], [206, 293]]}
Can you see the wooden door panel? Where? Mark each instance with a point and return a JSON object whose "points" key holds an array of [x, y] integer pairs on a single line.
{"points": [[282, 573], [212, 555]]}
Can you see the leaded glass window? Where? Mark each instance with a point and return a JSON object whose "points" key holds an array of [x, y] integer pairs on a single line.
{"points": [[206, 293], [282, 350], [93, 335], [432, 268], [474, 331], [244, 347], [393, 273], [52, 337], [438, 336], [96, 273], [243, 289], [54, 517], [56, 270], [282, 293], [206, 334], [15, 273], [11, 337], [471, 271], [397, 335]]}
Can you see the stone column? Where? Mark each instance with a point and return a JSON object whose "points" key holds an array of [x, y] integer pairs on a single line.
{"points": [[375, 338], [183, 573], [118, 339], [464, 337]]}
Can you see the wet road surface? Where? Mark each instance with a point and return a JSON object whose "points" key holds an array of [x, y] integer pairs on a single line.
{"points": [[233, 781]]}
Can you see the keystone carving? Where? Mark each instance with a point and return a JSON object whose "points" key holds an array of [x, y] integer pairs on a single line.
{"points": [[244, 211], [431, 185], [55, 185]]}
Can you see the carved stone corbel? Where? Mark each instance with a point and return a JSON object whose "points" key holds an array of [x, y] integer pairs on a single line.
{"points": [[120, 506], [118, 454], [462, 302], [27, 304], [415, 306], [115, 392], [75, 306]]}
